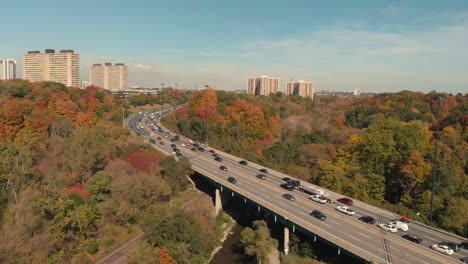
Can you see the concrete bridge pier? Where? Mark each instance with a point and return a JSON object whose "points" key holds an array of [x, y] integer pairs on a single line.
{"points": [[286, 240], [218, 203]]}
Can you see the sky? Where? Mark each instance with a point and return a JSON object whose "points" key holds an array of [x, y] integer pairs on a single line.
{"points": [[372, 45]]}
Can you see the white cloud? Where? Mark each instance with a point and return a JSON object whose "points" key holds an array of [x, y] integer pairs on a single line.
{"points": [[142, 66], [335, 59]]}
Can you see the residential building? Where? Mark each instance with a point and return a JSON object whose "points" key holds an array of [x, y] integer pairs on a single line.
{"points": [[300, 88], [63, 67], [357, 92], [7, 69], [263, 85], [108, 76]]}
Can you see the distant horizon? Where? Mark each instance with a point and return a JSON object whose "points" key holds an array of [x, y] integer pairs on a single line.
{"points": [[379, 46]]}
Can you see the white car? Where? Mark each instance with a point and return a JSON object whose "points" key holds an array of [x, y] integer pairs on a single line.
{"points": [[399, 224], [442, 249], [388, 227], [317, 198], [344, 210]]}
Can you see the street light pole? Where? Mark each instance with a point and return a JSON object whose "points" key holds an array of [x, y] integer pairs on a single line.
{"points": [[436, 152], [206, 114]]}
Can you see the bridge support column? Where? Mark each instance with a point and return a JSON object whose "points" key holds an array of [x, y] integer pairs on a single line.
{"points": [[286, 241], [218, 203]]}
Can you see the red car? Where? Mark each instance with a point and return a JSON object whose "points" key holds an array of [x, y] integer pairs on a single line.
{"points": [[212, 151], [346, 201]]}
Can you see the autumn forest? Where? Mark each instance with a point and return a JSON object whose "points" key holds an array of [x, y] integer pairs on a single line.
{"points": [[377, 149], [75, 184]]}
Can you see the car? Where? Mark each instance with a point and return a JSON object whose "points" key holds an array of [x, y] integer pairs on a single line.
{"points": [[201, 149], [223, 168], [261, 176], [442, 249], [243, 162], [196, 145], [367, 219], [173, 140], [289, 197], [162, 143], [319, 215], [264, 170], [158, 138], [344, 210], [232, 180], [412, 238], [215, 155], [178, 154], [173, 145], [211, 151], [399, 224], [346, 201], [287, 186], [194, 149], [218, 159], [404, 219], [286, 179], [318, 198], [464, 259], [452, 245], [152, 141], [388, 228]]}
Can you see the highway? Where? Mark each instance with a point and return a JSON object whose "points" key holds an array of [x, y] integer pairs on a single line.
{"points": [[362, 239]]}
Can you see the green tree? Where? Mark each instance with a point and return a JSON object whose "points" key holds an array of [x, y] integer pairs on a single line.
{"points": [[176, 172], [175, 229], [258, 242], [455, 217], [99, 185]]}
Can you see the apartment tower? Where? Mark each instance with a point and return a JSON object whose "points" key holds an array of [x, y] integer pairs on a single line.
{"points": [[7, 69], [63, 67], [263, 85], [300, 88], [108, 76]]}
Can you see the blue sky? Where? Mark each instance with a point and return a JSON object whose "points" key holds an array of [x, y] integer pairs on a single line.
{"points": [[340, 45]]}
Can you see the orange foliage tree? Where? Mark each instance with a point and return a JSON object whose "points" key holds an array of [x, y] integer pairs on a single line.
{"points": [[165, 258]]}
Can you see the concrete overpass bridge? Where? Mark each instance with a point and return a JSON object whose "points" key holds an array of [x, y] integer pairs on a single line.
{"points": [[346, 233]]}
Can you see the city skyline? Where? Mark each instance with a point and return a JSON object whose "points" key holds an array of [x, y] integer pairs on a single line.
{"points": [[375, 47]]}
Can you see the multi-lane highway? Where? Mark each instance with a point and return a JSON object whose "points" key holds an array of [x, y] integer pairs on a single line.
{"points": [[347, 232]]}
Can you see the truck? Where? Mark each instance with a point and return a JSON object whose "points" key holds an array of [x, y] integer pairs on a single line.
{"points": [[291, 185]]}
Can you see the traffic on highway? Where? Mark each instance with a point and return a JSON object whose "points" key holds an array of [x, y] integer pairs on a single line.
{"points": [[363, 229]]}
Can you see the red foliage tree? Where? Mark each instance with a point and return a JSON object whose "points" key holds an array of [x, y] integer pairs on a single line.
{"points": [[143, 162]]}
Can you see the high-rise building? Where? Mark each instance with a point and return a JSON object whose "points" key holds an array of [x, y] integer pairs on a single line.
{"points": [[108, 76], [263, 85], [300, 88], [357, 92], [63, 67], [7, 69]]}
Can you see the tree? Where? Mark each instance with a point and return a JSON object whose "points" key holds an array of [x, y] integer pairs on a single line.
{"points": [[258, 242], [176, 173], [165, 258], [99, 185], [169, 227], [455, 216]]}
